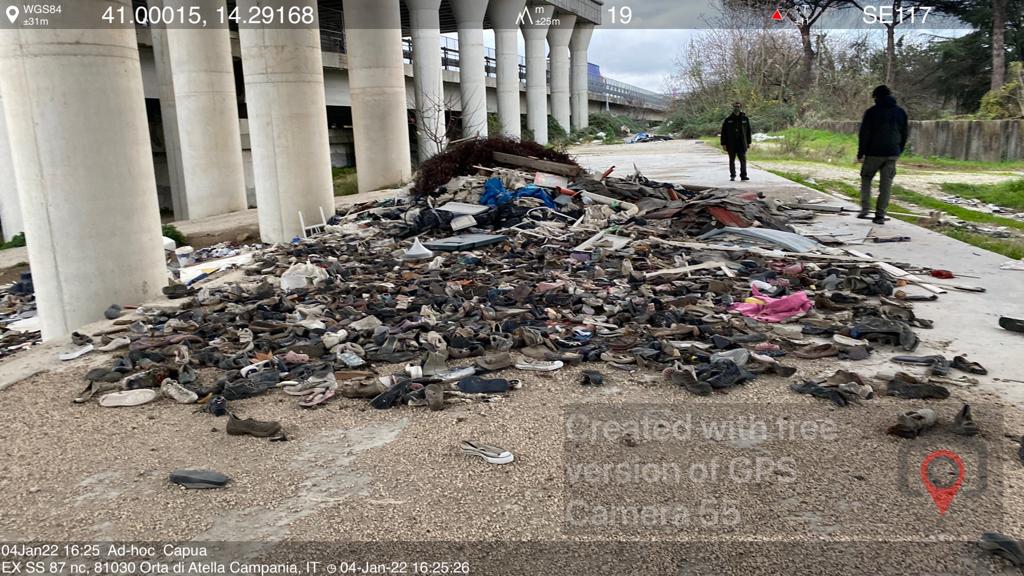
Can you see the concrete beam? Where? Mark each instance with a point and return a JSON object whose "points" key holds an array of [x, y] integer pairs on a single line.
{"points": [[504, 16], [580, 84], [10, 206], [169, 116], [431, 127], [79, 136], [559, 35], [373, 32], [207, 108], [535, 31], [284, 89], [469, 16]]}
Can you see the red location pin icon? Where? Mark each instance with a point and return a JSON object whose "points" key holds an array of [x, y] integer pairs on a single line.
{"points": [[777, 15], [942, 497]]}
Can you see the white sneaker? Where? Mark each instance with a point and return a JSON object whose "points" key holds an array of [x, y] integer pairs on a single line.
{"points": [[73, 353], [128, 398], [539, 365], [115, 344], [490, 454], [174, 390]]}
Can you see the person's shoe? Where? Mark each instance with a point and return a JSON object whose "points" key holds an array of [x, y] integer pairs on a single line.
{"points": [[239, 427], [732, 178], [369, 387], [912, 424], [113, 312], [864, 215], [744, 178], [963, 364], [115, 344], [905, 386], [539, 365], [1003, 546], [128, 398], [174, 390], [880, 220], [964, 424], [434, 394], [494, 362], [490, 454], [1011, 324], [687, 379]]}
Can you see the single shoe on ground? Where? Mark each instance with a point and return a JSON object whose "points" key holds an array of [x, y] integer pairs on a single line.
{"points": [[238, 427], [904, 385], [739, 356], [79, 339], [128, 398], [812, 388], [115, 344], [964, 365], [912, 424], [539, 365], [1004, 546], [76, 352], [816, 351], [963, 423], [478, 385], [199, 479], [97, 387], [434, 394], [1011, 324], [938, 363], [435, 363], [369, 387], [592, 378], [494, 362], [113, 312], [685, 378], [175, 391], [490, 454]]}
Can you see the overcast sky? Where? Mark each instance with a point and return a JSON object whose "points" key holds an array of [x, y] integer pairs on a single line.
{"points": [[643, 58]]}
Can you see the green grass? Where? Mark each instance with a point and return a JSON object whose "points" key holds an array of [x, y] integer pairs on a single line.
{"points": [[1009, 194], [170, 231], [811, 145], [1010, 247], [345, 182], [16, 241]]}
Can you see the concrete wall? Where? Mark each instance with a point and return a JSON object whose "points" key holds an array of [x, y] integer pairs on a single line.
{"points": [[982, 140]]}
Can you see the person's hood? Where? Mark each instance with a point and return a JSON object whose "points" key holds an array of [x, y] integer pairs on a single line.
{"points": [[886, 101]]}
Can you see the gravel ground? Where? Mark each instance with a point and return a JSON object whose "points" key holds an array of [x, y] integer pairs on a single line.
{"points": [[82, 472]]}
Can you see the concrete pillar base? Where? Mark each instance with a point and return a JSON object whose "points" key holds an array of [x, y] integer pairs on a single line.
{"points": [[291, 157], [84, 170], [535, 31], [559, 36], [10, 206], [580, 84]]}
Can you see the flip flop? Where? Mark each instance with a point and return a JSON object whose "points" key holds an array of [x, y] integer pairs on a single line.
{"points": [[490, 454], [478, 385], [963, 364], [199, 479]]}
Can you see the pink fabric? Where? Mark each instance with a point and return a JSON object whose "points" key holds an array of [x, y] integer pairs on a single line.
{"points": [[774, 309]]}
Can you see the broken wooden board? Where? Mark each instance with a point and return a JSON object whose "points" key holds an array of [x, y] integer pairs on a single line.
{"points": [[537, 164], [684, 269]]}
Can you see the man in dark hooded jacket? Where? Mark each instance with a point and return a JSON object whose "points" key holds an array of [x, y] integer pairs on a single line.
{"points": [[883, 136], [736, 139]]}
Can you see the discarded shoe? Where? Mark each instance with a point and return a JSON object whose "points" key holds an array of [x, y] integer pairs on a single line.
{"points": [[905, 386], [75, 352], [592, 378], [494, 362], [434, 394], [238, 427], [1003, 546], [490, 454], [816, 351], [964, 365], [478, 385], [113, 312], [174, 390], [1011, 324], [686, 378], [115, 344], [912, 424], [128, 398], [964, 424], [199, 479], [539, 365]]}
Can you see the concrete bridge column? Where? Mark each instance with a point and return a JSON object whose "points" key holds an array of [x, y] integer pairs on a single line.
{"points": [[79, 137], [504, 16], [535, 31], [376, 76], [431, 128], [578, 46], [469, 15], [169, 117], [284, 90], [559, 36], [10, 207], [207, 109]]}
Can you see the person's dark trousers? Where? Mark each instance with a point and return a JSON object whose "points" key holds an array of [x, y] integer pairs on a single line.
{"points": [[733, 155], [885, 167]]}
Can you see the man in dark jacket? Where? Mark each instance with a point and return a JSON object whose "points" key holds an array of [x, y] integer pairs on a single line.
{"points": [[736, 139], [883, 136]]}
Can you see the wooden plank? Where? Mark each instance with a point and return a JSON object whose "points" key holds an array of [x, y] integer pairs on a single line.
{"points": [[537, 164], [756, 250], [685, 269]]}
